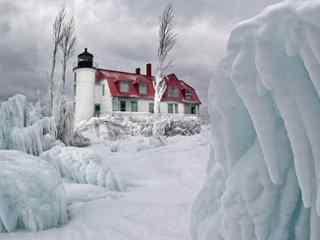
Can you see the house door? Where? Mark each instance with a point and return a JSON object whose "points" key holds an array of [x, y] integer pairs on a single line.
{"points": [[193, 109], [123, 106], [97, 110]]}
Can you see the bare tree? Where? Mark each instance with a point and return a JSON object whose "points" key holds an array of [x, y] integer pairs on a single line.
{"points": [[57, 38], [64, 111], [167, 40], [67, 46]]}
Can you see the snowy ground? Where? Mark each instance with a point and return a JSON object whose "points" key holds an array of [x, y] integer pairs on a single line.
{"points": [[162, 184]]}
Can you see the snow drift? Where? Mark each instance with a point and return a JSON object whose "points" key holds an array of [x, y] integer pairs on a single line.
{"points": [[263, 174], [22, 128], [32, 196], [82, 166]]}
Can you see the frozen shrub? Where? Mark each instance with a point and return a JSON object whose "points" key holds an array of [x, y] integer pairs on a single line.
{"points": [[79, 140], [21, 128], [117, 126]]}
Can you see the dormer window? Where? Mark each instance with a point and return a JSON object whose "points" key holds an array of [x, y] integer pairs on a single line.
{"points": [[143, 89], [188, 94], [173, 92], [124, 86]]}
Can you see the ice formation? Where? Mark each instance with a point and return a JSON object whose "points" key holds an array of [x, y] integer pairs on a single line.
{"points": [[263, 174], [82, 166], [21, 127], [32, 195]]}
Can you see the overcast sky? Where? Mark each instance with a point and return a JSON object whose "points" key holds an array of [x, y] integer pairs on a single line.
{"points": [[122, 35]]}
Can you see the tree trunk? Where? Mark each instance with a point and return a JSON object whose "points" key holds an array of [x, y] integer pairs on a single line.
{"points": [[52, 85]]}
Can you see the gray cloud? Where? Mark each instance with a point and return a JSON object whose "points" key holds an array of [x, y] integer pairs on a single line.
{"points": [[122, 34]]}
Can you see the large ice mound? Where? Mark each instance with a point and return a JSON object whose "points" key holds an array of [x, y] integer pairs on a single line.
{"points": [[263, 176], [32, 195], [82, 166]]}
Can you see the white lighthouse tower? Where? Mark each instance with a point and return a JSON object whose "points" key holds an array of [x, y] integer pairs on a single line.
{"points": [[85, 76]]}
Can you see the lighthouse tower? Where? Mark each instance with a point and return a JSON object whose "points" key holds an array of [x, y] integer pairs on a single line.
{"points": [[85, 76]]}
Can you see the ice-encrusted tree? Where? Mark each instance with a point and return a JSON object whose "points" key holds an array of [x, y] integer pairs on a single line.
{"points": [[64, 112], [67, 47], [167, 41], [57, 34]]}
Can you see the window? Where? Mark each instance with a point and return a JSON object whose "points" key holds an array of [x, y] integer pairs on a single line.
{"points": [[172, 108], [134, 106], [143, 88], [151, 107], [124, 86], [115, 104], [191, 109], [123, 106], [103, 90], [189, 94], [173, 92]]}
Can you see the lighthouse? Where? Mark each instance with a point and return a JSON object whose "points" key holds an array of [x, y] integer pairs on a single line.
{"points": [[84, 80]]}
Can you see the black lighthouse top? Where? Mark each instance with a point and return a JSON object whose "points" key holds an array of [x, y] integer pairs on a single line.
{"points": [[85, 59]]}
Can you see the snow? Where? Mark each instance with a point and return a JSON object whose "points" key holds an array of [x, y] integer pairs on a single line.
{"points": [[162, 183], [82, 166], [262, 177], [32, 196]]}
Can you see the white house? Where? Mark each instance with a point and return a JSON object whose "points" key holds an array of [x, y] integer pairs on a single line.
{"points": [[98, 91]]}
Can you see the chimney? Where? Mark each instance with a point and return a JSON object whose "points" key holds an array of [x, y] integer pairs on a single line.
{"points": [[138, 71], [149, 70]]}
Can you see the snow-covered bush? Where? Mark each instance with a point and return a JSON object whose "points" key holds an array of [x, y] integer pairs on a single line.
{"points": [[32, 195], [21, 127], [34, 139], [263, 173], [82, 166], [117, 126], [176, 126], [78, 140]]}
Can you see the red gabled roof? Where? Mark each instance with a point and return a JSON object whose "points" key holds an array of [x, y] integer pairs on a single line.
{"points": [[173, 81], [114, 77]]}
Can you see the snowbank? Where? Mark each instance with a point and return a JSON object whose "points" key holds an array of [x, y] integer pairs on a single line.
{"points": [[82, 166], [32, 196], [21, 127], [263, 174]]}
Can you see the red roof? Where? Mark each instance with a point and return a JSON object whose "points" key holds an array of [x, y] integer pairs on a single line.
{"points": [[115, 77], [183, 88]]}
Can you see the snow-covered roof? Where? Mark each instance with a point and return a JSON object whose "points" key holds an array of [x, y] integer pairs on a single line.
{"points": [[115, 77]]}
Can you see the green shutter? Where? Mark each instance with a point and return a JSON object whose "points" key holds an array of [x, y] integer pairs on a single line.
{"points": [[134, 106], [176, 108], [103, 90], [170, 108]]}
